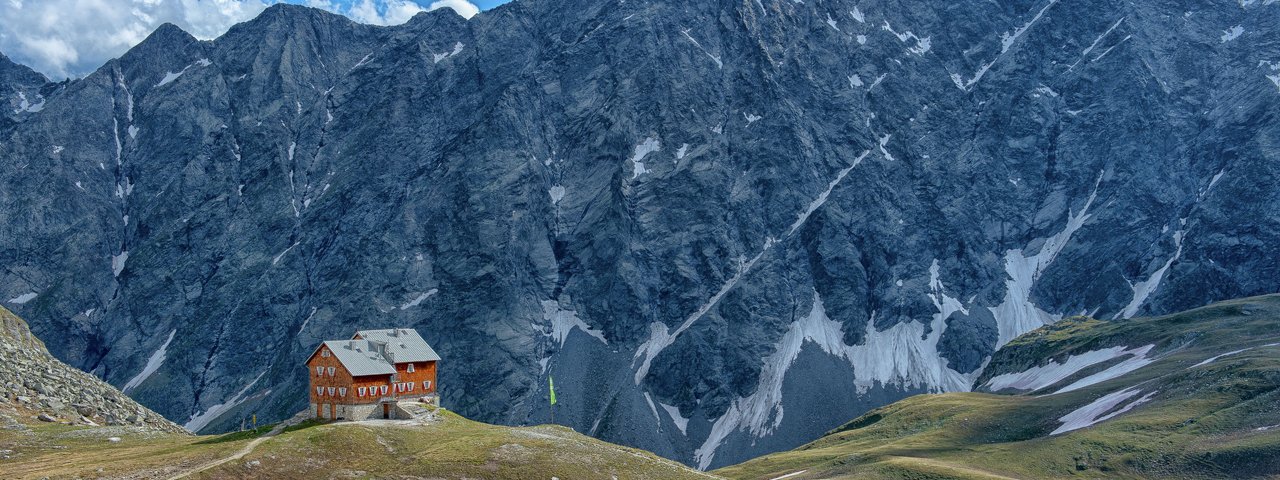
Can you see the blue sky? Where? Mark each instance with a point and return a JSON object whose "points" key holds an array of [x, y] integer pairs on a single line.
{"points": [[485, 5], [70, 38]]}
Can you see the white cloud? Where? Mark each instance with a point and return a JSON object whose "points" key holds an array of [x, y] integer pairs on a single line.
{"points": [[463, 7], [64, 38], [396, 12], [72, 37]]}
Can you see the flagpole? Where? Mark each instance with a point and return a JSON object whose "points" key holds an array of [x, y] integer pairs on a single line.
{"points": [[551, 385]]}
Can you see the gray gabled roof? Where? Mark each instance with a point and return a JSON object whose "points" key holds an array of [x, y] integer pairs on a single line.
{"points": [[360, 357], [402, 344]]}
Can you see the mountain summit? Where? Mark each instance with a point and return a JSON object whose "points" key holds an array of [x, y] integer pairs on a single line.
{"points": [[724, 227]]}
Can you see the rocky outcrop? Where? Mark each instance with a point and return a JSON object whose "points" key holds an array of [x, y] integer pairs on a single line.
{"points": [[724, 227], [35, 384]]}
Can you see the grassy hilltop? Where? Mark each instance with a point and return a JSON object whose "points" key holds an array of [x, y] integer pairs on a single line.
{"points": [[1219, 419]]}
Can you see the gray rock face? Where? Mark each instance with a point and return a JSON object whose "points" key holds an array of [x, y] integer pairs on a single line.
{"points": [[723, 227], [22, 92], [34, 383]]}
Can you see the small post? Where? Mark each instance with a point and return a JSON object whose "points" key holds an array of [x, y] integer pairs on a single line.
{"points": [[551, 384]]}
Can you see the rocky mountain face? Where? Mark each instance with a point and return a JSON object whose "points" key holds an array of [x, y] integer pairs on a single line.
{"points": [[724, 227], [23, 90], [33, 382]]}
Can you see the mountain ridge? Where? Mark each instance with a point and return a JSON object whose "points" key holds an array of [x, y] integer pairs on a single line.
{"points": [[678, 184]]}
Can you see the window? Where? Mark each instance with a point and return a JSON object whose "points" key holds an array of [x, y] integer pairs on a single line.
{"points": [[410, 385], [426, 384], [410, 368], [331, 370], [319, 390], [325, 354], [384, 389], [342, 392], [319, 371], [363, 390], [331, 389]]}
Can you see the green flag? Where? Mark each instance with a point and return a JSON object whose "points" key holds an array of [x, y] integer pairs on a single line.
{"points": [[552, 384]]}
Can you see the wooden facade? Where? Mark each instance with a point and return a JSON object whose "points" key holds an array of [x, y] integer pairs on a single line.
{"points": [[335, 391]]}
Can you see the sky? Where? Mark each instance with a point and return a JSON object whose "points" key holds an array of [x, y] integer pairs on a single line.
{"points": [[71, 38]]}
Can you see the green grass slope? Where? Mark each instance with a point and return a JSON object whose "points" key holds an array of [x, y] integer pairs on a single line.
{"points": [[450, 447], [441, 445], [1216, 420]]}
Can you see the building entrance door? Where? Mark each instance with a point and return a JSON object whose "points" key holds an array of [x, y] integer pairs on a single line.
{"points": [[386, 411]]}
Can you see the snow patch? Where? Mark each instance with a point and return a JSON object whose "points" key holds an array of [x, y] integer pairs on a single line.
{"points": [[715, 58], [1109, 49], [24, 298], [1232, 33], [1016, 314], [1233, 352], [1007, 40], [117, 263], [822, 197], [439, 57], [684, 150], [169, 77], [751, 118], [1093, 413], [153, 363], [418, 298], [884, 140], [1039, 377], [25, 105], [362, 62], [649, 399], [1046, 91], [901, 355], [922, 45], [642, 150], [1138, 359], [303, 327], [661, 337], [281, 254], [200, 420], [831, 22], [857, 15], [1145, 288], [682, 423], [855, 81], [564, 321], [557, 194], [1214, 180]]}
